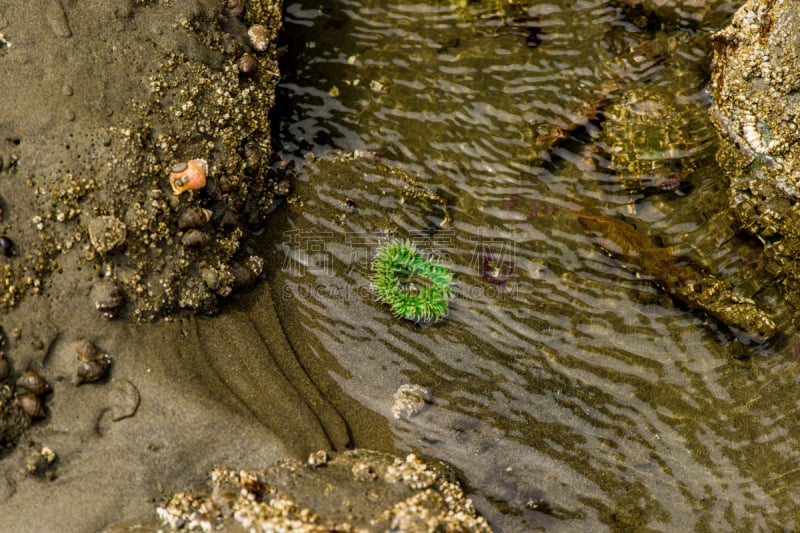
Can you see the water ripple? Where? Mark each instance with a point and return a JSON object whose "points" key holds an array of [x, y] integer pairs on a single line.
{"points": [[570, 392]]}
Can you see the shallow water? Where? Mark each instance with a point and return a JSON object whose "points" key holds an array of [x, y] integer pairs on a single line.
{"points": [[568, 392]]}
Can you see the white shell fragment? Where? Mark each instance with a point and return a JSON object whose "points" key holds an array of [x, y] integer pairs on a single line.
{"points": [[410, 400]]}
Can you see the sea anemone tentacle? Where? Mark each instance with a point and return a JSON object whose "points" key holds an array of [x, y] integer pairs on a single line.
{"points": [[416, 288]]}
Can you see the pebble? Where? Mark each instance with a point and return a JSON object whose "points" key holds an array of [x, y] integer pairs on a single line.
{"points": [[57, 18], [106, 233], [259, 37], [39, 463], [318, 458]]}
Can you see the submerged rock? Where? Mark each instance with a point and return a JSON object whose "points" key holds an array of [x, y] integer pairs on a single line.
{"points": [[679, 277], [685, 12]]}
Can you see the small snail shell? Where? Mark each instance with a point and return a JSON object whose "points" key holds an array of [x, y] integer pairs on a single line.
{"points": [[189, 176], [229, 219], [85, 350], [259, 37], [90, 371], [246, 272], [194, 217], [5, 367], [108, 297], [31, 405], [251, 153], [6, 246], [6, 393], [33, 383], [235, 7], [194, 238], [247, 64]]}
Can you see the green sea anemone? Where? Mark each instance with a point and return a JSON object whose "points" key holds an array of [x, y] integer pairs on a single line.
{"points": [[416, 288]]}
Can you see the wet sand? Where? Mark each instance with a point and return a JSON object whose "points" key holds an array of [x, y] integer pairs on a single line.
{"points": [[182, 394]]}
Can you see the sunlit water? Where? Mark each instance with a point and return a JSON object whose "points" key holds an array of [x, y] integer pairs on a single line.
{"points": [[569, 394]]}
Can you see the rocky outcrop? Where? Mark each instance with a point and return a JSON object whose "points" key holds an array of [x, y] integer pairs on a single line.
{"points": [[755, 82], [105, 106], [356, 490]]}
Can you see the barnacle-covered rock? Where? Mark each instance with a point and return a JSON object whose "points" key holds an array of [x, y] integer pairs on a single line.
{"points": [[755, 79], [410, 400], [682, 279], [648, 140], [107, 196], [390, 493]]}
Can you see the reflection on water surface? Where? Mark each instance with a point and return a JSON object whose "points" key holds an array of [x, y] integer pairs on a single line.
{"points": [[568, 391]]}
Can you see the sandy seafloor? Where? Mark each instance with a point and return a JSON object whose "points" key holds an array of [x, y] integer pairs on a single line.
{"points": [[182, 395]]}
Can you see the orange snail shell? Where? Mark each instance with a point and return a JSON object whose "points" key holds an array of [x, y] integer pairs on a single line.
{"points": [[188, 176]]}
